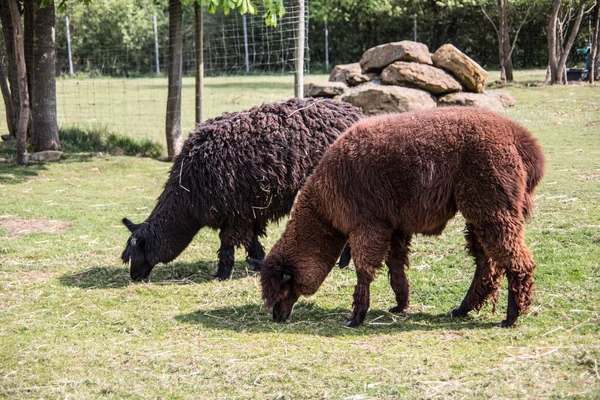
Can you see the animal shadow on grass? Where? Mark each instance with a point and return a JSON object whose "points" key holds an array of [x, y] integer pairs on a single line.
{"points": [[310, 319], [178, 273], [10, 173]]}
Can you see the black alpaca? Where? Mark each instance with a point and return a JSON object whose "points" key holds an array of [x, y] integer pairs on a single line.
{"points": [[236, 173]]}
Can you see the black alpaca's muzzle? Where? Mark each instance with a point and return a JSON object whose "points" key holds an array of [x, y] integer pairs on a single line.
{"points": [[137, 276]]}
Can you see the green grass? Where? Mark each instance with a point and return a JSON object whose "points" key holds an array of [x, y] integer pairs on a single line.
{"points": [[73, 326]]}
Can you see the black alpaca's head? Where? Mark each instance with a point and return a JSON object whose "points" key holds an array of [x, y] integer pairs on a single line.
{"points": [[136, 251]]}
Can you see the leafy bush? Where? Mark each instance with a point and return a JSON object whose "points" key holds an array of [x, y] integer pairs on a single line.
{"points": [[76, 140]]}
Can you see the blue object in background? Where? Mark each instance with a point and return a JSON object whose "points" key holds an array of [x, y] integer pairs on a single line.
{"points": [[585, 50]]}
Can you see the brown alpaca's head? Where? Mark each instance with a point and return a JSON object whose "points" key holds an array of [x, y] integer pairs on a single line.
{"points": [[278, 288]]}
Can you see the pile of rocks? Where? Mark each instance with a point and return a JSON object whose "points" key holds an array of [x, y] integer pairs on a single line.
{"points": [[404, 76]]}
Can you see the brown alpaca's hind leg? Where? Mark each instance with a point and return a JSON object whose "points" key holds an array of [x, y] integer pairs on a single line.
{"points": [[486, 282], [397, 261], [369, 247], [504, 242]]}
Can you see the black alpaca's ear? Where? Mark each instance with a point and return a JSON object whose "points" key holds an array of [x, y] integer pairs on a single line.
{"points": [[130, 225]]}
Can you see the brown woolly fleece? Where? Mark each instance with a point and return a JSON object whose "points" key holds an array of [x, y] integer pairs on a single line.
{"points": [[392, 176]]}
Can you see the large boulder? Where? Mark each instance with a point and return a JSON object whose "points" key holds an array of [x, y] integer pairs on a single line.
{"points": [[341, 72], [359, 79], [383, 99], [350, 74], [328, 89], [379, 57], [465, 70], [420, 76], [489, 101]]}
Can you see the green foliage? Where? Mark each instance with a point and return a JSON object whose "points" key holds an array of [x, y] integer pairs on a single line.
{"points": [[76, 140]]}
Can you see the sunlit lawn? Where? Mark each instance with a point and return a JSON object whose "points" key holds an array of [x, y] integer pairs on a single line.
{"points": [[73, 326]]}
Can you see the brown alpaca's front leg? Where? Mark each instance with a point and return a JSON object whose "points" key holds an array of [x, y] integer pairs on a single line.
{"points": [[361, 302], [397, 261], [369, 246]]}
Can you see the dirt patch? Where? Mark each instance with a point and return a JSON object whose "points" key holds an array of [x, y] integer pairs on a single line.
{"points": [[22, 226]]}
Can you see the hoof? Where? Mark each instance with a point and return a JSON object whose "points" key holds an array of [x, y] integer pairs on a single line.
{"points": [[506, 324], [220, 278], [399, 310], [350, 323], [458, 313]]}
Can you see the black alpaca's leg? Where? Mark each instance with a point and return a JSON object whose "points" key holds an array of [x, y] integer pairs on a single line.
{"points": [[256, 253], [226, 253], [368, 250], [226, 259], [486, 281], [345, 257], [397, 262]]}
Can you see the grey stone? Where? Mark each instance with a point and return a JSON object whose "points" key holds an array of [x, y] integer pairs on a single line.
{"points": [[420, 76], [379, 57], [341, 72], [481, 100], [470, 74], [328, 89], [381, 99], [46, 156], [116, 151]]}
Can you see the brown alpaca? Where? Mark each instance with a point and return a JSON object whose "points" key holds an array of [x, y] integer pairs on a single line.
{"points": [[393, 176]]}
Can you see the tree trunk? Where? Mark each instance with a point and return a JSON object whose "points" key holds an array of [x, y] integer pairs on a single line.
{"points": [[594, 67], [44, 135], [199, 49], [10, 91], [19, 48], [566, 49], [29, 34], [558, 51], [173, 124], [552, 41], [506, 65]]}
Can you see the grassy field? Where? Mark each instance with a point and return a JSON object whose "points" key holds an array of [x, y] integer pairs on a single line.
{"points": [[72, 325]]}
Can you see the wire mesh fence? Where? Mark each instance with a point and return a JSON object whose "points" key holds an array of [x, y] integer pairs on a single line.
{"points": [[246, 63]]}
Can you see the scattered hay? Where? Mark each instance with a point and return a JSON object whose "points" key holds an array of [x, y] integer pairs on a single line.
{"points": [[589, 177], [26, 226]]}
